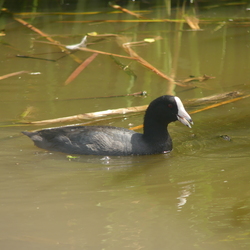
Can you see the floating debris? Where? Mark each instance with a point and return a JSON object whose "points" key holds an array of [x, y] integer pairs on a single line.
{"points": [[225, 137], [82, 44]]}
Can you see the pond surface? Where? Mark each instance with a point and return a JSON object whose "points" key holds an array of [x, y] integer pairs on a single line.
{"points": [[196, 197]]}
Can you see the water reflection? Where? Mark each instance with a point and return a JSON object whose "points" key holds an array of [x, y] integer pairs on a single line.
{"points": [[185, 192]]}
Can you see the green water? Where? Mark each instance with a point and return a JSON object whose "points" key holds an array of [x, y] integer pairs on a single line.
{"points": [[196, 197]]}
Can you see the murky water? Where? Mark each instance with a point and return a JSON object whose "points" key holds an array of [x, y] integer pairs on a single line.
{"points": [[197, 197]]}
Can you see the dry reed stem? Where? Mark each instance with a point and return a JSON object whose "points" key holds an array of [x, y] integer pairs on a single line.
{"points": [[133, 56], [213, 98], [122, 111], [80, 68], [132, 53], [193, 22], [105, 53], [88, 116], [93, 50], [127, 21], [199, 78], [71, 13], [219, 104], [13, 74], [140, 93], [205, 108], [118, 7]]}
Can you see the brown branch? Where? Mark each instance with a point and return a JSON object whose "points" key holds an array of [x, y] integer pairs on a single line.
{"points": [[213, 98]]}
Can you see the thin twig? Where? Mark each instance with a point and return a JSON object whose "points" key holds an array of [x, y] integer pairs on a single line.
{"points": [[140, 93]]}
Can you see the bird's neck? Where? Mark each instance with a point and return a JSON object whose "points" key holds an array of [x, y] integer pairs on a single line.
{"points": [[155, 131]]}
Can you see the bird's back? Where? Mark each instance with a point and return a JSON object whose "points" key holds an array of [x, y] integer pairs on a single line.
{"points": [[95, 140]]}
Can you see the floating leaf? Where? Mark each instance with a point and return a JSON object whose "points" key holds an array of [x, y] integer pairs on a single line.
{"points": [[92, 34], [149, 40]]}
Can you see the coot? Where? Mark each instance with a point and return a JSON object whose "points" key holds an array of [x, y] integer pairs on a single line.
{"points": [[107, 140]]}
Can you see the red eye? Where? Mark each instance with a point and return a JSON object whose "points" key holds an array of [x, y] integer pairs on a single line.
{"points": [[170, 105]]}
